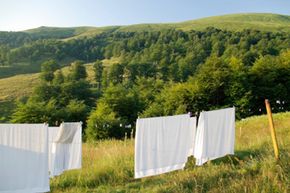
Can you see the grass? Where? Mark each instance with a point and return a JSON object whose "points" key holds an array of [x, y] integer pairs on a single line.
{"points": [[19, 68], [108, 166], [17, 86], [233, 22], [238, 22]]}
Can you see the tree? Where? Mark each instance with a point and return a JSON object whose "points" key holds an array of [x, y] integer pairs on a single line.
{"points": [[58, 77], [105, 79], [102, 123], [47, 70], [76, 111], [78, 71], [124, 102], [270, 79], [98, 68], [116, 73]]}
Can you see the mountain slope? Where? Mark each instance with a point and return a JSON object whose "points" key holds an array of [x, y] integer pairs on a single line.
{"points": [[233, 22], [65, 32], [237, 22]]}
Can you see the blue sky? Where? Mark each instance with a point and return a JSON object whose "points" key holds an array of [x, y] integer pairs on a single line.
{"points": [[25, 14]]}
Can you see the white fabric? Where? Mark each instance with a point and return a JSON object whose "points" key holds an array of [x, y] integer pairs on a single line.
{"points": [[192, 134], [66, 132], [215, 136], [66, 156], [162, 144], [23, 158], [52, 134]]}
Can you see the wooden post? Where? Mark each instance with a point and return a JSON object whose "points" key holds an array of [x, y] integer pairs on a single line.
{"points": [[272, 128]]}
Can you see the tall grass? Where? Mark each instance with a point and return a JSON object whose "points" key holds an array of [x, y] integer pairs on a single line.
{"points": [[108, 166]]}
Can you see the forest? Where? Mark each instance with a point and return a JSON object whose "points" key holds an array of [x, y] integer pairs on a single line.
{"points": [[157, 73]]}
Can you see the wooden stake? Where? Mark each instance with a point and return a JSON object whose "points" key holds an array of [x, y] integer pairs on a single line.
{"points": [[272, 129]]}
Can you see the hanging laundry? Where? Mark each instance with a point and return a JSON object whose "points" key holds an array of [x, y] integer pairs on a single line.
{"points": [[163, 144], [192, 133], [24, 158], [66, 149], [52, 134], [215, 135]]}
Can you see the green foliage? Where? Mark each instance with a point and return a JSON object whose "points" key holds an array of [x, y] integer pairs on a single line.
{"points": [[36, 112], [220, 83], [57, 98], [78, 71], [47, 70], [271, 78], [98, 69], [76, 111], [116, 110], [116, 73], [58, 77], [102, 123]]}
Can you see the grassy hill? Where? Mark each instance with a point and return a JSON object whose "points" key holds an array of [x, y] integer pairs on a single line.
{"points": [[19, 86], [108, 166], [14, 88], [233, 22], [68, 32]]}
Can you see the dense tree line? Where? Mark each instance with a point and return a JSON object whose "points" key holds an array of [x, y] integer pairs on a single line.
{"points": [[168, 49], [158, 73], [217, 83]]}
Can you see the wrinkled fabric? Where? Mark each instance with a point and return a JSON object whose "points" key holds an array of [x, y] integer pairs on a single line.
{"points": [[66, 156], [192, 134], [215, 135], [52, 134], [24, 158], [162, 144], [66, 133]]}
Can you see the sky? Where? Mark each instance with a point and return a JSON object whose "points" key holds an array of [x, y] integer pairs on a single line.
{"points": [[16, 15]]}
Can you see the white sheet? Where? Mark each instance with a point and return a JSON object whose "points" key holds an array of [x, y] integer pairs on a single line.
{"points": [[66, 156], [215, 136], [52, 134], [192, 134], [23, 158], [162, 144], [66, 132]]}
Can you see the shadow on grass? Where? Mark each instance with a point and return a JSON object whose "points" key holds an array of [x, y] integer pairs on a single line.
{"points": [[236, 159], [240, 156]]}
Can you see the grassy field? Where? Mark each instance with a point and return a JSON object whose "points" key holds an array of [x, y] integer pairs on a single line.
{"points": [[108, 166], [22, 85]]}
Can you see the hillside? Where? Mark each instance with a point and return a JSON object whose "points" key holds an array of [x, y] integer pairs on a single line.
{"points": [[20, 86], [238, 22], [23, 52], [67, 32], [108, 166], [233, 22], [201, 69]]}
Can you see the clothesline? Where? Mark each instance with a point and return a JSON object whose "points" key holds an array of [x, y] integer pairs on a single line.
{"points": [[30, 153], [163, 144]]}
